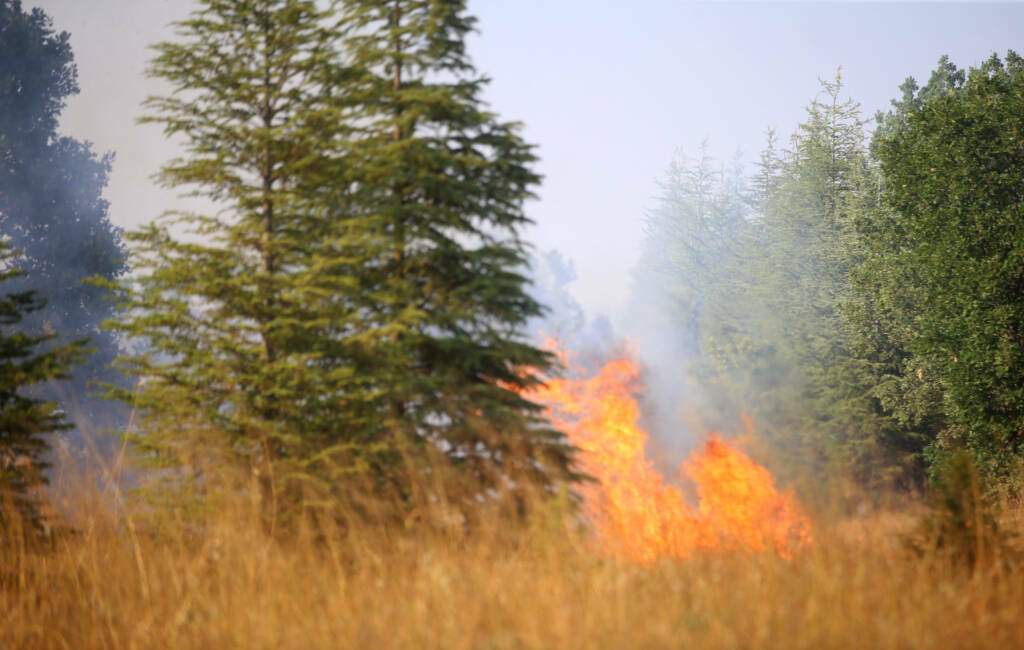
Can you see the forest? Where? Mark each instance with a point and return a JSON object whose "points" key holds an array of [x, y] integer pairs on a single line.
{"points": [[334, 402]]}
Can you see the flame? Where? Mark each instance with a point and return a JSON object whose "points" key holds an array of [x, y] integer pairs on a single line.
{"points": [[636, 515]]}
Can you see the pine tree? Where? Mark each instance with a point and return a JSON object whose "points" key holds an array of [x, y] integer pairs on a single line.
{"points": [[809, 250], [26, 422], [355, 299], [700, 217], [840, 369], [249, 340], [443, 183], [692, 269], [779, 331]]}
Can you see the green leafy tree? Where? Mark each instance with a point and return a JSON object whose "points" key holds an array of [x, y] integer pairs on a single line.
{"points": [[354, 302], [944, 78], [26, 422], [51, 205], [952, 249]]}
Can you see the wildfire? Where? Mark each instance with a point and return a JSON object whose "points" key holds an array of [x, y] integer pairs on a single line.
{"points": [[635, 513]]}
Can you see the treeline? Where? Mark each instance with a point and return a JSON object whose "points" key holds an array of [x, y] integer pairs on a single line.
{"points": [[860, 294], [344, 314]]}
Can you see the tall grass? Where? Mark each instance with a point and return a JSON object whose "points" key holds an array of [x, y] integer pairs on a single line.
{"points": [[114, 580]]}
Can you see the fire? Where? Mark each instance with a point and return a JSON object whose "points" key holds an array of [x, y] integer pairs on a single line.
{"points": [[635, 513]]}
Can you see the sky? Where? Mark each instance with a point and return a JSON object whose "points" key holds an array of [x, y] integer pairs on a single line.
{"points": [[607, 90]]}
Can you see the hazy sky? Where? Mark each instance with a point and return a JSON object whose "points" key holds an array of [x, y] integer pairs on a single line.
{"points": [[608, 90]]}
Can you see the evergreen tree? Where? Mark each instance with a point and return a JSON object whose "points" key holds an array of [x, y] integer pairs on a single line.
{"points": [[699, 219], [356, 298], [441, 181], [808, 226], [836, 411], [249, 339], [692, 268], [51, 208], [26, 422], [777, 329]]}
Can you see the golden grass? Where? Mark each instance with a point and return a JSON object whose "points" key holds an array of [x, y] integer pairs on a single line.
{"points": [[499, 585]]}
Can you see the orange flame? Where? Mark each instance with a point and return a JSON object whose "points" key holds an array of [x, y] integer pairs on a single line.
{"points": [[635, 514]]}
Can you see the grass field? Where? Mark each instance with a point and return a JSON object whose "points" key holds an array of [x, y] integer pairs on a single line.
{"points": [[538, 584]]}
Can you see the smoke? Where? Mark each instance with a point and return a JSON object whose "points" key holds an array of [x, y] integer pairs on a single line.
{"points": [[651, 335], [565, 320], [680, 283], [53, 212], [665, 350]]}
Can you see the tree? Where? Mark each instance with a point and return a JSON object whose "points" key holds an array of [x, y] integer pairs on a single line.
{"points": [[838, 416], [443, 182], [51, 205], [25, 422], [760, 283], [692, 269], [333, 315], [953, 251], [798, 261], [944, 78], [699, 220]]}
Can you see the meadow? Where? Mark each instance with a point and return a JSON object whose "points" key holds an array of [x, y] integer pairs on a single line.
{"points": [[114, 579]]}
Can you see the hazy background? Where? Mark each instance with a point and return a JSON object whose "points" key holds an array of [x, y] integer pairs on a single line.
{"points": [[608, 90]]}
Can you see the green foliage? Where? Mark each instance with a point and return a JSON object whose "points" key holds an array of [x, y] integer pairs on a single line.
{"points": [[25, 422], [866, 309], [51, 208], [693, 231], [833, 420], [803, 259], [354, 303], [250, 345], [948, 267], [440, 182], [760, 283]]}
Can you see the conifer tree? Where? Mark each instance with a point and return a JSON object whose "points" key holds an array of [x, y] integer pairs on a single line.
{"points": [[249, 339], [443, 182], [26, 422], [359, 290], [779, 330], [830, 409], [809, 254], [768, 346], [833, 407]]}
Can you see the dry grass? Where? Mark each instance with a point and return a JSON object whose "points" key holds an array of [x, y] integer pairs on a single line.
{"points": [[501, 585]]}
